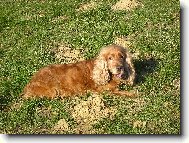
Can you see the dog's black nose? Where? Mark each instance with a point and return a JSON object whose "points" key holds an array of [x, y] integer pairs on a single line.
{"points": [[119, 68]]}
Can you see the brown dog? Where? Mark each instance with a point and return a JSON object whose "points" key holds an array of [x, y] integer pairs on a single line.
{"points": [[112, 66]]}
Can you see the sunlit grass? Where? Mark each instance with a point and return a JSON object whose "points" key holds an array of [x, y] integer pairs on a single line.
{"points": [[30, 30]]}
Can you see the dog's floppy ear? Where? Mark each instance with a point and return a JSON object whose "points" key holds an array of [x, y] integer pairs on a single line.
{"points": [[100, 74], [129, 67]]}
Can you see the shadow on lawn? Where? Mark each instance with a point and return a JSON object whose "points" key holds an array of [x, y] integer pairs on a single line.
{"points": [[144, 67]]}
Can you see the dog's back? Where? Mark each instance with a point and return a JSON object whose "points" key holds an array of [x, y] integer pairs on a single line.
{"points": [[61, 80]]}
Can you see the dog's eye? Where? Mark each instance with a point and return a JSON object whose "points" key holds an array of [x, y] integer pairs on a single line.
{"points": [[110, 58], [121, 57]]}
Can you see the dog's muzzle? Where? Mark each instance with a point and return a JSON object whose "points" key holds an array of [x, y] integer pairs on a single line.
{"points": [[120, 72]]}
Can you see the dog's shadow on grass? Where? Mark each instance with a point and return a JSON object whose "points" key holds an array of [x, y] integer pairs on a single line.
{"points": [[144, 67]]}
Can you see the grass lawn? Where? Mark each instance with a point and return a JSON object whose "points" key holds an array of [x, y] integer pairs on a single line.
{"points": [[30, 30]]}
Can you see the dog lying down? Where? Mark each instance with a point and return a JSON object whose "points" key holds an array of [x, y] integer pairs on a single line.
{"points": [[111, 67]]}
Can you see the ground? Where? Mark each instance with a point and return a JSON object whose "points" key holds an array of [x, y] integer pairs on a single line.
{"points": [[36, 33]]}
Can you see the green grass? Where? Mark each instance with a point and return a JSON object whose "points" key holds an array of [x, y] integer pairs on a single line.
{"points": [[28, 34]]}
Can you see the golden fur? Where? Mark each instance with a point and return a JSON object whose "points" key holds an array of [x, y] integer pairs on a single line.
{"points": [[103, 73]]}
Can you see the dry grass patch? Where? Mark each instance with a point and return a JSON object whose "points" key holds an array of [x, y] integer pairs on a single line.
{"points": [[89, 112], [126, 5], [61, 126], [176, 83], [122, 41], [139, 124], [66, 54], [86, 112], [17, 105], [87, 6], [125, 42], [59, 18]]}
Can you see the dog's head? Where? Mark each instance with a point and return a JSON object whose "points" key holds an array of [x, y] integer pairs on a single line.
{"points": [[113, 61]]}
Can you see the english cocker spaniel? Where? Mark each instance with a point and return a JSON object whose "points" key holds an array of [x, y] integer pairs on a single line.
{"points": [[111, 67]]}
